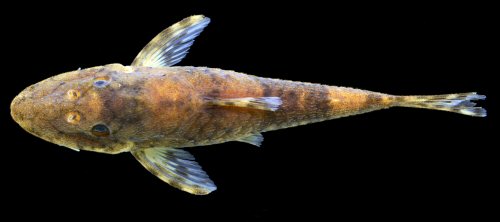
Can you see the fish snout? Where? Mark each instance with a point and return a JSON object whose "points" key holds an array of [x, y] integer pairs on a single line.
{"points": [[19, 108], [26, 109]]}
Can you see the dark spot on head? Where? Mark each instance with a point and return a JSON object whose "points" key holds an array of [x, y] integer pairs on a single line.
{"points": [[101, 82], [100, 130]]}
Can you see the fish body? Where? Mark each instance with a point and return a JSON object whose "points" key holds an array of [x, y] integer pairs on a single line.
{"points": [[152, 108]]}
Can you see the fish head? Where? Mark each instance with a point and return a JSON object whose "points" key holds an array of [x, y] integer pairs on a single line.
{"points": [[76, 110]]}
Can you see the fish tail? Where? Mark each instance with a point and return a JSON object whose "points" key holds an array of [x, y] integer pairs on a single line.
{"points": [[457, 103]]}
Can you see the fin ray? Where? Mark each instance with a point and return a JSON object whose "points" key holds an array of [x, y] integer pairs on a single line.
{"points": [[262, 103], [457, 103], [254, 139], [177, 168], [172, 44]]}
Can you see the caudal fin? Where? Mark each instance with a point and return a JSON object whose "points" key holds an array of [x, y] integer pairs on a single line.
{"points": [[457, 103]]}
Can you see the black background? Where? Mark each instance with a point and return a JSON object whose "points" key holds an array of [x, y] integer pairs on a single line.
{"points": [[398, 163]]}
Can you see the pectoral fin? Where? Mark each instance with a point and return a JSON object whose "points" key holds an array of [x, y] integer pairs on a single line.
{"points": [[263, 103], [255, 139], [176, 167], [172, 44]]}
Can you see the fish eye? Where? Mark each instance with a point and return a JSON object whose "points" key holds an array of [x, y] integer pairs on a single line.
{"points": [[101, 82], [100, 130], [72, 94], [73, 117]]}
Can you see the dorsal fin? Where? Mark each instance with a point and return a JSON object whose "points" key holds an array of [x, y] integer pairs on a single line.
{"points": [[172, 44], [262, 103]]}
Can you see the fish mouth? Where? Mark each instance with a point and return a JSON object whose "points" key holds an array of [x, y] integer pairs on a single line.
{"points": [[30, 116]]}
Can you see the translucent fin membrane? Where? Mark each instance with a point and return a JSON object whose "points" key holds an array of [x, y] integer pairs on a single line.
{"points": [[457, 103]]}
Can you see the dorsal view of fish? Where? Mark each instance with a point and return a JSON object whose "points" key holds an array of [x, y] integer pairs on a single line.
{"points": [[153, 109]]}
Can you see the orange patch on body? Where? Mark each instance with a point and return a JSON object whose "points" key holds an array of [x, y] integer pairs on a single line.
{"points": [[169, 102], [159, 92], [345, 100]]}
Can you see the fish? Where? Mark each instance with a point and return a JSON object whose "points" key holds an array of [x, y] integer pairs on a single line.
{"points": [[154, 109]]}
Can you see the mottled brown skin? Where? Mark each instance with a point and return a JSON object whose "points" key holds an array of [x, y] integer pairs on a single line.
{"points": [[169, 106], [302, 103]]}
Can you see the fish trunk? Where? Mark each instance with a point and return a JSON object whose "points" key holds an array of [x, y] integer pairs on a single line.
{"points": [[223, 118], [305, 103], [302, 103]]}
